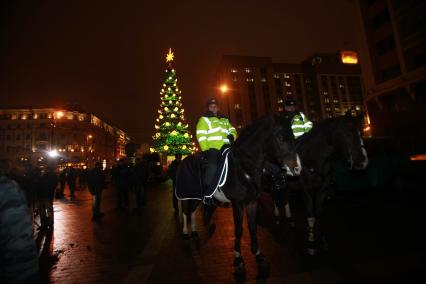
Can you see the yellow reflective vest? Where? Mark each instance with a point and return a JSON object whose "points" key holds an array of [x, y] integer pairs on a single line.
{"points": [[212, 132], [300, 125]]}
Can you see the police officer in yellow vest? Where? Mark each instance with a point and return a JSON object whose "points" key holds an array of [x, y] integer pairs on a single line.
{"points": [[300, 124], [213, 131]]}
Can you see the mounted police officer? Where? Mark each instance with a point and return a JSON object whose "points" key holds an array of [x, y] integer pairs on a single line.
{"points": [[300, 124], [213, 131]]}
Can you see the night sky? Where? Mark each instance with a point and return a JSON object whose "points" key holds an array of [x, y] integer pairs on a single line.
{"points": [[109, 56]]}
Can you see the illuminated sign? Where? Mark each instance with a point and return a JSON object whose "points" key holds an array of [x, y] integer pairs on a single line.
{"points": [[349, 57]]}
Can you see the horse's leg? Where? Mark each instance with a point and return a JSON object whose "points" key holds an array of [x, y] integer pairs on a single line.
{"points": [[288, 214], [194, 234], [287, 210], [262, 263], [208, 211], [185, 206], [320, 200], [237, 210], [276, 199], [309, 207], [276, 213]]}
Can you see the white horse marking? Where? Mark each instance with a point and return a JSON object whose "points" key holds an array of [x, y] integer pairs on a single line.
{"points": [[298, 168]]}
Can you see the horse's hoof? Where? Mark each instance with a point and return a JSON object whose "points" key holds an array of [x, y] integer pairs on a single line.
{"points": [[194, 236], [324, 244], [260, 258], [311, 251], [240, 270], [291, 223], [238, 263], [262, 265]]}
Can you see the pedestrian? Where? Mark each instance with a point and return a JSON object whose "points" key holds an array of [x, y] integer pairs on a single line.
{"points": [[140, 171], [46, 189], [62, 182], [71, 179], [96, 184], [18, 252], [82, 177], [171, 172], [123, 182]]}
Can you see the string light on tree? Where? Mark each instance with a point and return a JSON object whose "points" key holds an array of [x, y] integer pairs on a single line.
{"points": [[172, 135]]}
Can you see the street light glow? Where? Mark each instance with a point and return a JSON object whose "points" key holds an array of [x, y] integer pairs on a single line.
{"points": [[53, 153], [59, 114], [224, 88]]}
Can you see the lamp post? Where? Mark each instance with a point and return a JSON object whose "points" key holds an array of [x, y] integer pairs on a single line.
{"points": [[88, 149], [224, 89]]}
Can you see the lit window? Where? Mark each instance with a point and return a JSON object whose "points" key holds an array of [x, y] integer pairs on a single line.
{"points": [[276, 76], [286, 76], [237, 106], [357, 107], [250, 80], [289, 93], [247, 70], [287, 84], [263, 80], [336, 101], [280, 101], [233, 70], [341, 86], [325, 93]]}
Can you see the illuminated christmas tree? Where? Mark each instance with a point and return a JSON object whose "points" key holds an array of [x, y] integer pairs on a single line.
{"points": [[172, 135]]}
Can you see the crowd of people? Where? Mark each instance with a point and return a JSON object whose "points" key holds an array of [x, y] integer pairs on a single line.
{"points": [[27, 191]]}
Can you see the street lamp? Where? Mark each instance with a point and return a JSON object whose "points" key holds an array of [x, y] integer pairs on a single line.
{"points": [[53, 153], [224, 89]]}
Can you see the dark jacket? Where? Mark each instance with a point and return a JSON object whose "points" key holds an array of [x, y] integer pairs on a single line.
{"points": [[96, 180], [172, 170], [47, 185], [140, 171], [18, 253]]}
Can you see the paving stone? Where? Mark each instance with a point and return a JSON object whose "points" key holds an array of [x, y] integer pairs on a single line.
{"points": [[146, 246]]}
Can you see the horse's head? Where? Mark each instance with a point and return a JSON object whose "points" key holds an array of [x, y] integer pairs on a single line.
{"points": [[280, 147], [349, 143]]}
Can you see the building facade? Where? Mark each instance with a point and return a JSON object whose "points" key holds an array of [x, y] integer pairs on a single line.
{"points": [[392, 48], [71, 136], [322, 85]]}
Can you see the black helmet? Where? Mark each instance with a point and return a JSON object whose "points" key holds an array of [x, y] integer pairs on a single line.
{"points": [[211, 101], [290, 102]]}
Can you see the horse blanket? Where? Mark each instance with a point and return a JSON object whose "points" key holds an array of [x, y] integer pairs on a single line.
{"points": [[189, 183]]}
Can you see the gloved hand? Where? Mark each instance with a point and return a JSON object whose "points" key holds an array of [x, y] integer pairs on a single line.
{"points": [[231, 139]]}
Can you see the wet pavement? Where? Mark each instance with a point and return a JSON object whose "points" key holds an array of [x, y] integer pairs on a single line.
{"points": [[374, 238]]}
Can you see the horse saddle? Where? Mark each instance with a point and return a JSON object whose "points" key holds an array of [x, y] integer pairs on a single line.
{"points": [[189, 180]]}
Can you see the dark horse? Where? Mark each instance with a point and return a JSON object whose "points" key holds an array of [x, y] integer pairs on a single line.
{"points": [[332, 140], [265, 139]]}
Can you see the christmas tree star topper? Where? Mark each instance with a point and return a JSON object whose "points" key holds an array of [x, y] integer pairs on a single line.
{"points": [[170, 56]]}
